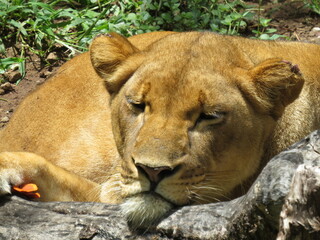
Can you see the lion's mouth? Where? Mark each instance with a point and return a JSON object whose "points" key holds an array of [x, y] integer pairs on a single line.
{"points": [[145, 209], [158, 195]]}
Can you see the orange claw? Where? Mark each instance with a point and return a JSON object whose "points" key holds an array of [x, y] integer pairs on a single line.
{"points": [[28, 190]]}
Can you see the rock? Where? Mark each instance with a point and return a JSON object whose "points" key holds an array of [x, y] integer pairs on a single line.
{"points": [[52, 57], [39, 82], [315, 40], [45, 74], [316, 32], [2, 91], [4, 119], [7, 87], [252, 216], [316, 29], [12, 76], [14, 67]]}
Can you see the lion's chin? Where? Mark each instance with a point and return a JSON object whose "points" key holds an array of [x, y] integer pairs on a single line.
{"points": [[145, 209]]}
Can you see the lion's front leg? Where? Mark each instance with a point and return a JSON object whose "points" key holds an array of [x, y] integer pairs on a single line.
{"points": [[55, 183]]}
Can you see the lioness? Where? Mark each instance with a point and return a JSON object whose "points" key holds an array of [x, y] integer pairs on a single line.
{"points": [[161, 120]]}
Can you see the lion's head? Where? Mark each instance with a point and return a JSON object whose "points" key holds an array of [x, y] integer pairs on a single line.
{"points": [[190, 115]]}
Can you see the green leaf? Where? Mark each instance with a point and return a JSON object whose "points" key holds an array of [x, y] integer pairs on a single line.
{"points": [[264, 36], [2, 47], [227, 21], [49, 32], [276, 36], [42, 6], [19, 26], [271, 30], [152, 6], [5, 63], [248, 15], [205, 18], [188, 15], [264, 22], [167, 17], [39, 36], [66, 13], [145, 16], [242, 24], [177, 18], [235, 16], [131, 17], [13, 8], [91, 14], [223, 7], [2, 13], [22, 69]]}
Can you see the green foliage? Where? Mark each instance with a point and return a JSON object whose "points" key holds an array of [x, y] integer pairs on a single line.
{"points": [[226, 17], [8, 63], [41, 26], [314, 5], [219, 16], [263, 31]]}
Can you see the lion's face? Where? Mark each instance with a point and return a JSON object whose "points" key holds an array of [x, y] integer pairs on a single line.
{"points": [[186, 125]]}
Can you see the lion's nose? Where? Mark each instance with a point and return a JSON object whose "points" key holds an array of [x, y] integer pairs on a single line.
{"points": [[155, 174]]}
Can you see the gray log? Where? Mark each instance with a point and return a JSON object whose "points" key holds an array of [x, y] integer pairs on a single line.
{"points": [[300, 215], [253, 216]]}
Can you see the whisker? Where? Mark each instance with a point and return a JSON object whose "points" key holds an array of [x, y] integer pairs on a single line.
{"points": [[208, 188], [209, 194], [200, 199], [211, 188]]}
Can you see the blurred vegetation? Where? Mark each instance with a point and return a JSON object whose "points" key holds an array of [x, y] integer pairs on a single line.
{"points": [[314, 5], [41, 26]]}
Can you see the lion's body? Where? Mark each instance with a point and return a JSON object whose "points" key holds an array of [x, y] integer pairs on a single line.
{"points": [[54, 114], [70, 120], [122, 149]]}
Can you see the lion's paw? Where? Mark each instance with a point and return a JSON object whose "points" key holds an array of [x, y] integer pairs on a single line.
{"points": [[8, 179]]}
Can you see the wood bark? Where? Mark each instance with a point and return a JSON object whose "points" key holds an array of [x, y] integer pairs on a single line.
{"points": [[283, 203], [300, 215]]}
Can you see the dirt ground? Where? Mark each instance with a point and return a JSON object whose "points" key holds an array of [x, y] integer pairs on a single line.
{"points": [[289, 18]]}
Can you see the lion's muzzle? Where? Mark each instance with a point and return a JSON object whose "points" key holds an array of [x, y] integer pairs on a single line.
{"points": [[155, 174]]}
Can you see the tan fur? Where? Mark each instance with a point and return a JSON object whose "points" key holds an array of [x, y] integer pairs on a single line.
{"points": [[198, 112]]}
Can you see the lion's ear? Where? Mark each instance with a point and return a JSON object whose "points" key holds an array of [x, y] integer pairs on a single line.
{"points": [[107, 53], [272, 85]]}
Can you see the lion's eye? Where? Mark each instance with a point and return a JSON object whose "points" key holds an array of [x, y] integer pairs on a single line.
{"points": [[211, 118], [136, 104], [140, 106]]}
